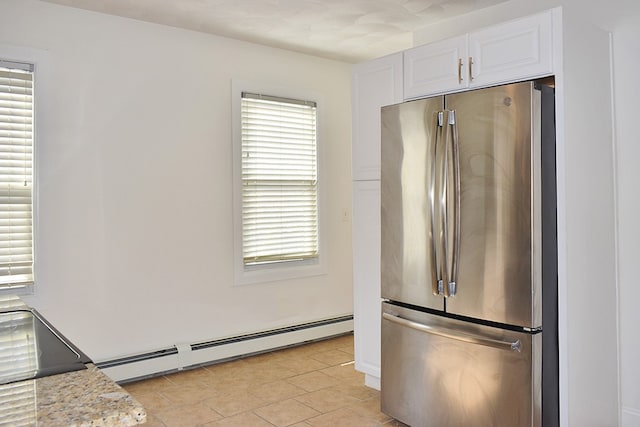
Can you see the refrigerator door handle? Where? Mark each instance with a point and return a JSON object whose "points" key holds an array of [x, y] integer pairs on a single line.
{"points": [[452, 159], [441, 179], [444, 209], [455, 335], [436, 279]]}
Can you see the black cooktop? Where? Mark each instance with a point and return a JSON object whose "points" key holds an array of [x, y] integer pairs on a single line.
{"points": [[30, 347]]}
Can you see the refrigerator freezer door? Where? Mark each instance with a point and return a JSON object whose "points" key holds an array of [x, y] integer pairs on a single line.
{"points": [[409, 218], [439, 372], [499, 154]]}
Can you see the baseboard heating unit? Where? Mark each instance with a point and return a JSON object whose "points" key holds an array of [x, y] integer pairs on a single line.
{"points": [[192, 355]]}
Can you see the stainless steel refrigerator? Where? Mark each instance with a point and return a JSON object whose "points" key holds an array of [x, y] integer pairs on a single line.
{"points": [[468, 259]]}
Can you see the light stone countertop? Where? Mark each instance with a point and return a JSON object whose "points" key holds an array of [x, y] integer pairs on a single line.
{"points": [[80, 398], [85, 398]]}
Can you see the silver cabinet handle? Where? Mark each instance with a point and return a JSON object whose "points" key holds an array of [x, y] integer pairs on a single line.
{"points": [[470, 69], [453, 334], [459, 70]]}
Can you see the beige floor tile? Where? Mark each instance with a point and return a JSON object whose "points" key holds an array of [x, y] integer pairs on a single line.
{"points": [[286, 413], [187, 394], [394, 423], [269, 357], [246, 419], [269, 372], [190, 377], [345, 372], [275, 391], [153, 421], [326, 345], [332, 357], [232, 383], [313, 381], [359, 391], [310, 385], [152, 401], [342, 341], [348, 350], [301, 365], [188, 415], [151, 384], [233, 403], [228, 369], [326, 400], [370, 409], [343, 417], [250, 373], [309, 349]]}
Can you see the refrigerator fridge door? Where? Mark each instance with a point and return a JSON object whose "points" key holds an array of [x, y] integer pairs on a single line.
{"points": [[439, 372], [498, 264], [408, 221]]}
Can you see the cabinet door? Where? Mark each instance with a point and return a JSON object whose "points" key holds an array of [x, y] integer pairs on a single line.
{"points": [[366, 276], [435, 68], [513, 51], [374, 84]]}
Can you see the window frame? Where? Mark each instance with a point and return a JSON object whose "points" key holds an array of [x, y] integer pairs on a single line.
{"points": [[269, 272]]}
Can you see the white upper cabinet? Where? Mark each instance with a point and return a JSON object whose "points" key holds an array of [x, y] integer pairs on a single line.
{"points": [[516, 50], [374, 84], [435, 67]]}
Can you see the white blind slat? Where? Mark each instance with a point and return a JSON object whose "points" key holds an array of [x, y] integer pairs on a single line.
{"points": [[279, 179], [16, 159]]}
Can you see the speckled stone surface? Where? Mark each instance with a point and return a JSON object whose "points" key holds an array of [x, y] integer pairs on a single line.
{"points": [[75, 399], [85, 398]]}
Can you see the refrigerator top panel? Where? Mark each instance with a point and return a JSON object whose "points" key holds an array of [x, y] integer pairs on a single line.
{"points": [[408, 272], [499, 270]]}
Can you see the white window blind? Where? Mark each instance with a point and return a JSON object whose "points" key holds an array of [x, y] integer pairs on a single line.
{"points": [[279, 179], [16, 156]]}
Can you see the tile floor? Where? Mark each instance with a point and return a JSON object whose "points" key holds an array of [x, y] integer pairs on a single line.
{"points": [[310, 385]]}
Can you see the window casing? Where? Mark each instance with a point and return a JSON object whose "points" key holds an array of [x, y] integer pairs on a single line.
{"points": [[277, 192], [16, 175]]}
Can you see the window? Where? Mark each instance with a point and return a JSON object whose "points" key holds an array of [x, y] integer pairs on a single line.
{"points": [[16, 157], [277, 192], [279, 180]]}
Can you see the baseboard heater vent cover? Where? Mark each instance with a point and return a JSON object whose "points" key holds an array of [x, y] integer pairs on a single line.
{"points": [[188, 356]]}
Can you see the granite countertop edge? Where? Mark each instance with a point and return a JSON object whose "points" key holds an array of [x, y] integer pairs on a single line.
{"points": [[85, 398], [82, 398]]}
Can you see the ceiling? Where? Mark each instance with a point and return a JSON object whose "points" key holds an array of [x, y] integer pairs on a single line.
{"points": [[346, 30]]}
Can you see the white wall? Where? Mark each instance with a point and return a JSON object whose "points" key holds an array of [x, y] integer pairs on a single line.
{"points": [[134, 229], [627, 94], [598, 361]]}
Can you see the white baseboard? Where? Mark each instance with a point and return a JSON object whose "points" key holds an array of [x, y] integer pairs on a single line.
{"points": [[185, 356], [630, 417]]}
